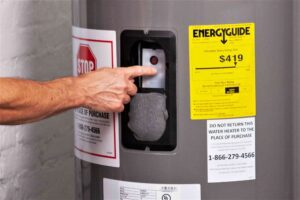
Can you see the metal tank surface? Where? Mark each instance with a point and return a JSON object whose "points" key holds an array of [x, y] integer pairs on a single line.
{"points": [[296, 87], [184, 160]]}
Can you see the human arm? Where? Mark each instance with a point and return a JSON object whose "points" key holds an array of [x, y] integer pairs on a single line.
{"points": [[106, 90]]}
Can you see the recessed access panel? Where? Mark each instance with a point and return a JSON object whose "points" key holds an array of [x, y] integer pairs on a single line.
{"points": [[149, 121]]}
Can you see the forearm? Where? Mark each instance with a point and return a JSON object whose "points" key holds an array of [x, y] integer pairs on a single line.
{"points": [[23, 101], [105, 90]]}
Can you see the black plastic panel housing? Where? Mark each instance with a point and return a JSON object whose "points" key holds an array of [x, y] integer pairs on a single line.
{"points": [[131, 43]]}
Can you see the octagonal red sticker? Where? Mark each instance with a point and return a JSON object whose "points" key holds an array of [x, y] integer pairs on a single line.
{"points": [[86, 60]]}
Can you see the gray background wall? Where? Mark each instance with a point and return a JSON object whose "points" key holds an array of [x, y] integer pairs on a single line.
{"points": [[36, 160]]}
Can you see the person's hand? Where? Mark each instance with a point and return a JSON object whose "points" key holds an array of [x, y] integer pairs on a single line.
{"points": [[108, 89]]}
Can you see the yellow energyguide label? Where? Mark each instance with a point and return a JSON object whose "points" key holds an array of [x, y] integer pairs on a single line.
{"points": [[222, 71]]}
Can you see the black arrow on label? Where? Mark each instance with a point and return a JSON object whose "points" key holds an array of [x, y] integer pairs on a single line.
{"points": [[223, 40], [235, 63]]}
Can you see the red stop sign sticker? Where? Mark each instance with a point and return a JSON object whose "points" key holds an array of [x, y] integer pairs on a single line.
{"points": [[86, 60]]}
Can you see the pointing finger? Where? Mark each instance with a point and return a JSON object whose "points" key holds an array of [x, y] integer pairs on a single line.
{"points": [[136, 71]]}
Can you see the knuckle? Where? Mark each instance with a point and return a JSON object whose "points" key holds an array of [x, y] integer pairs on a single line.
{"points": [[122, 73], [132, 89], [124, 98], [124, 86], [119, 107], [121, 97], [135, 89]]}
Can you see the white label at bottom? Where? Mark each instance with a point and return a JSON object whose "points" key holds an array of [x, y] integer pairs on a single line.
{"points": [[124, 190], [231, 150]]}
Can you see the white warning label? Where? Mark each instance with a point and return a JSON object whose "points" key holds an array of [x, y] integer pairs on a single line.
{"points": [[231, 150], [96, 133], [115, 189]]}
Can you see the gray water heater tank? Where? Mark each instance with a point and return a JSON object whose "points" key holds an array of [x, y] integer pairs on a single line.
{"points": [[166, 147]]}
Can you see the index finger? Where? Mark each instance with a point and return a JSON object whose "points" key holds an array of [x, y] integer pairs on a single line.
{"points": [[136, 71]]}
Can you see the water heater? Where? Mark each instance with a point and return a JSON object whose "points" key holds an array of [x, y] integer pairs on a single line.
{"points": [[215, 123]]}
